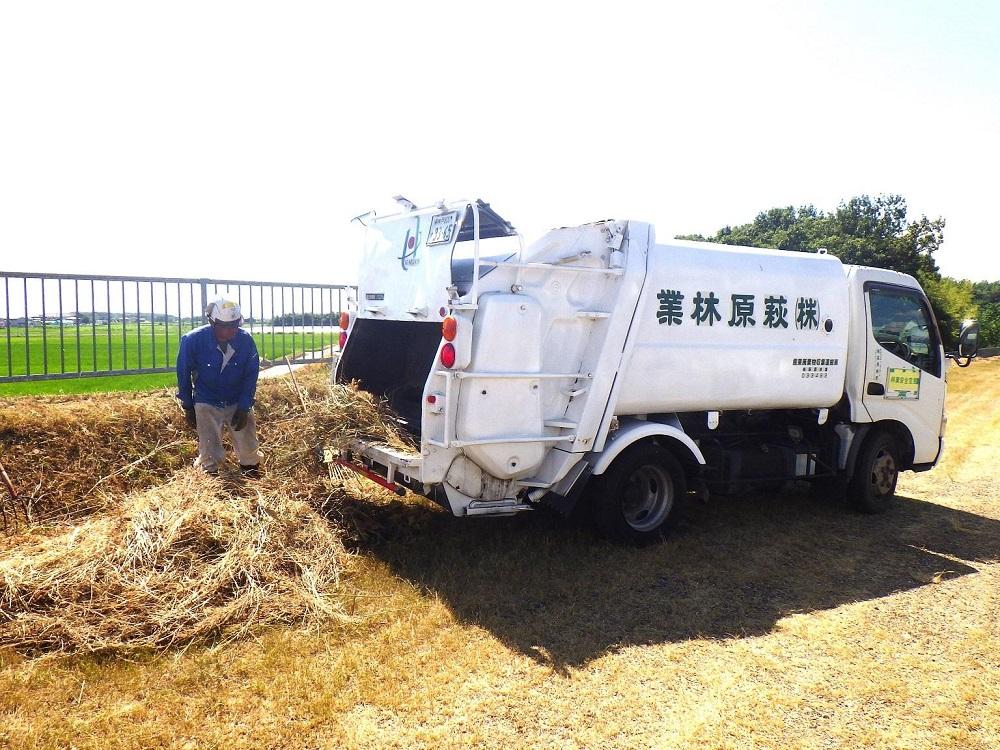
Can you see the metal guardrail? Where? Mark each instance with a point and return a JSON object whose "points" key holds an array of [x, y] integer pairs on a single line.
{"points": [[69, 326]]}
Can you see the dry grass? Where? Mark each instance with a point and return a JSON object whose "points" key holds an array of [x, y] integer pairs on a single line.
{"points": [[184, 562], [767, 622], [188, 558], [71, 455]]}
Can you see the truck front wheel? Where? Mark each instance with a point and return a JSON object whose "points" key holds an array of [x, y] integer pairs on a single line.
{"points": [[874, 482], [635, 500]]}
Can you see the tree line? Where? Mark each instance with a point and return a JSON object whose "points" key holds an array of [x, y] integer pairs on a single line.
{"points": [[875, 232], [306, 319]]}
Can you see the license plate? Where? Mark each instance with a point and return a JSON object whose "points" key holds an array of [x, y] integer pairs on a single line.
{"points": [[442, 228]]}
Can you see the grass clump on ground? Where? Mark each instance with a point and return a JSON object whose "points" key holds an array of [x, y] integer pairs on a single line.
{"points": [[185, 561], [122, 545]]}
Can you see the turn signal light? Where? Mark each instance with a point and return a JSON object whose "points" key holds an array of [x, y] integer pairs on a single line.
{"points": [[345, 320], [449, 328], [448, 355]]}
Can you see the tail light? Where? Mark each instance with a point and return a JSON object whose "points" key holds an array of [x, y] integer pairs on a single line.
{"points": [[456, 345], [448, 355], [345, 323]]}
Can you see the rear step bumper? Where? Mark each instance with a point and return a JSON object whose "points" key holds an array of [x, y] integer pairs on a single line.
{"points": [[397, 470], [368, 473], [406, 462], [388, 467], [496, 508]]}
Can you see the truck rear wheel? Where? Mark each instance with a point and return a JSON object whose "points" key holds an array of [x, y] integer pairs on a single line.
{"points": [[635, 500], [875, 474]]}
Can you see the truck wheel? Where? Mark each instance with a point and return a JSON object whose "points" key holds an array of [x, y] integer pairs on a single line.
{"points": [[875, 474], [634, 501]]}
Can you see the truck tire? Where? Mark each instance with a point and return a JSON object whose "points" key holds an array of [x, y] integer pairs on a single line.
{"points": [[873, 484], [635, 500]]}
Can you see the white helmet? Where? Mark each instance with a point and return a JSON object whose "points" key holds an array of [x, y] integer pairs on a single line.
{"points": [[224, 309]]}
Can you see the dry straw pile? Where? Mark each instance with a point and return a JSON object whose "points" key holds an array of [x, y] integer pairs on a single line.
{"points": [[129, 548]]}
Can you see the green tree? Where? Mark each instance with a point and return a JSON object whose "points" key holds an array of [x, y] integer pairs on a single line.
{"points": [[952, 301], [989, 324], [306, 319], [986, 292], [863, 231], [787, 228]]}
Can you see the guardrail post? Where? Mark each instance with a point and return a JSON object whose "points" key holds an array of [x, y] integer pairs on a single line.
{"points": [[204, 296]]}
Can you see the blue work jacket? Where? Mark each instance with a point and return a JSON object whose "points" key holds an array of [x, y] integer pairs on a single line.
{"points": [[200, 360]]}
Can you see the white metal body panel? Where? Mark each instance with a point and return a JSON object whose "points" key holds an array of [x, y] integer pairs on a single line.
{"points": [[589, 290], [401, 277], [505, 341], [558, 323], [721, 327], [633, 430]]}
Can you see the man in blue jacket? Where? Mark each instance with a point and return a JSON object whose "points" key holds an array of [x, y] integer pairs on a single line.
{"points": [[220, 361]]}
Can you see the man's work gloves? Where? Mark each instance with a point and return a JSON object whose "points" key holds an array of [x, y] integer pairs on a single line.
{"points": [[239, 420], [190, 416]]}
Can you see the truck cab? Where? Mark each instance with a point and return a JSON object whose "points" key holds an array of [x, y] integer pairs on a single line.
{"points": [[599, 366]]}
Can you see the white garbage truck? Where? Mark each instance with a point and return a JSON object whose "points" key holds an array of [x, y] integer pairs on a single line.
{"points": [[599, 365]]}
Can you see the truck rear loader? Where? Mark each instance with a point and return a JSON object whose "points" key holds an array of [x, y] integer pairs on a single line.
{"points": [[597, 365]]}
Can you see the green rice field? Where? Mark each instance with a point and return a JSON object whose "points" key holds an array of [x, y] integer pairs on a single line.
{"points": [[89, 349], [106, 384]]}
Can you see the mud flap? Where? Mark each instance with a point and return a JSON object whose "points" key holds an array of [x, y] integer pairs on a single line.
{"points": [[564, 505]]}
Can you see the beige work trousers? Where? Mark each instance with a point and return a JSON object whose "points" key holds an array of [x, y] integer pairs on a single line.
{"points": [[211, 451]]}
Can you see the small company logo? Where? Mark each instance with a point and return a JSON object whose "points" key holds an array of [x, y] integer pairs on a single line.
{"points": [[410, 243]]}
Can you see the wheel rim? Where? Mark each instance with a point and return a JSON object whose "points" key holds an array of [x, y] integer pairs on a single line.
{"points": [[884, 472], [648, 498]]}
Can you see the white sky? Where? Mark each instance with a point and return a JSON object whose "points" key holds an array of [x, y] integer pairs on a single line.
{"points": [[237, 139]]}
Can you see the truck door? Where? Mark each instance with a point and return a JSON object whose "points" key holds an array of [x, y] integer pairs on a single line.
{"points": [[904, 377]]}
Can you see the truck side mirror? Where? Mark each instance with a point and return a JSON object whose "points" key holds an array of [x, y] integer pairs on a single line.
{"points": [[968, 339]]}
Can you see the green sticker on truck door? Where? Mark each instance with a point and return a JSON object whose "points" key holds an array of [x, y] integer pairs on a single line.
{"points": [[903, 382]]}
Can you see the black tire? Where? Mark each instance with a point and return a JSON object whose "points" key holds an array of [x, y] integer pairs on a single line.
{"points": [[636, 499], [873, 484]]}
